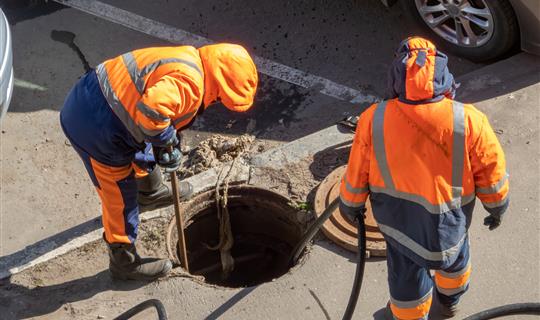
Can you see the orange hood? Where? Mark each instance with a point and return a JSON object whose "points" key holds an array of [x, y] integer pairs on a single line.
{"points": [[229, 76]]}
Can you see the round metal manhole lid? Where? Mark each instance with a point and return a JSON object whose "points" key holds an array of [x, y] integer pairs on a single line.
{"points": [[339, 228]]}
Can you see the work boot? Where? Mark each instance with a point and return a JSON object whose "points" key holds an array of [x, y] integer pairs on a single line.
{"points": [[126, 264], [448, 310], [388, 315], [154, 194]]}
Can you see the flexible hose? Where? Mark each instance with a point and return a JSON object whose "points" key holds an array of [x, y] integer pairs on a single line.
{"points": [[359, 274], [162, 315], [311, 231], [361, 254], [509, 309]]}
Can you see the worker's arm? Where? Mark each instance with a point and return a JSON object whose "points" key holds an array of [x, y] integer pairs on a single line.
{"points": [[354, 188], [168, 98], [489, 169]]}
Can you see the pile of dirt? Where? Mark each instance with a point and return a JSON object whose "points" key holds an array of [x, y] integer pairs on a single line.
{"points": [[214, 151]]}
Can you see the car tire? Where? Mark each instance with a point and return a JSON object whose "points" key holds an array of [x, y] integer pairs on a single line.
{"points": [[505, 34]]}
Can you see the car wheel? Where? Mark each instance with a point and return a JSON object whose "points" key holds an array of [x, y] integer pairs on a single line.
{"points": [[479, 30]]}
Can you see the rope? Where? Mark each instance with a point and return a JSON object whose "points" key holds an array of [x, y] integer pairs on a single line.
{"points": [[226, 240]]}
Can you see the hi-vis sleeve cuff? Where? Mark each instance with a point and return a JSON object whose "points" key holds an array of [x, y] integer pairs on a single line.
{"points": [[495, 198]]}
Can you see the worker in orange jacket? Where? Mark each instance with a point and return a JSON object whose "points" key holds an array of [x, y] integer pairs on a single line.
{"points": [[423, 158], [124, 117]]}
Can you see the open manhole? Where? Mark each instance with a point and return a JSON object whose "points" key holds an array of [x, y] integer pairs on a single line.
{"points": [[265, 229], [339, 228]]}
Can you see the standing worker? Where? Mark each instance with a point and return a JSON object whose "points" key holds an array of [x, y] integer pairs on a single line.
{"points": [[422, 158], [137, 103]]}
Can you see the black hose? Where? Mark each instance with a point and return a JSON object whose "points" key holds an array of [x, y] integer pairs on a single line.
{"points": [[162, 315], [310, 233], [359, 274], [361, 254], [509, 309]]}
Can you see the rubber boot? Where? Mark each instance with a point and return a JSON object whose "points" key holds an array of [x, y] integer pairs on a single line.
{"points": [[448, 311], [154, 194], [126, 264]]}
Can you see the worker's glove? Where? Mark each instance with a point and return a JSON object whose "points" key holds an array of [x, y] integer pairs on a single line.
{"points": [[352, 213], [168, 154], [493, 221]]}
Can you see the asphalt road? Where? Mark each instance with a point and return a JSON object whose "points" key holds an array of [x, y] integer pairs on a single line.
{"points": [[45, 188]]}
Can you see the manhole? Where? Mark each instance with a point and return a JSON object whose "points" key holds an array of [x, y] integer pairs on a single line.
{"points": [[339, 228], [265, 230]]}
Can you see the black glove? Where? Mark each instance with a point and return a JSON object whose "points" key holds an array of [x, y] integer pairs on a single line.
{"points": [[168, 154], [352, 213], [492, 221]]}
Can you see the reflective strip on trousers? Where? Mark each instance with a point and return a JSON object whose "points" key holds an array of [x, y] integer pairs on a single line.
{"points": [[116, 105], [417, 248], [413, 303]]}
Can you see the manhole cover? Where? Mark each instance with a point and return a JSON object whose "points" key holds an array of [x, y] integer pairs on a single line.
{"points": [[339, 228], [265, 229]]}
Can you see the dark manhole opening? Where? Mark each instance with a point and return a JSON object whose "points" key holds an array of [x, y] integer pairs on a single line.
{"points": [[265, 229]]}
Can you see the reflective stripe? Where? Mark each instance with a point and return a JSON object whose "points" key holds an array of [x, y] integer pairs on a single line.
{"points": [[497, 204], [419, 249], [420, 200], [451, 292], [352, 204], [151, 113], [458, 149], [458, 154], [379, 146], [184, 118], [411, 304], [453, 275], [116, 105], [137, 76], [494, 188], [351, 189]]}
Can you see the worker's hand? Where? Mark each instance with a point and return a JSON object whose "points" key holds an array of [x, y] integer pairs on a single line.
{"points": [[168, 154], [167, 158], [352, 213], [493, 221]]}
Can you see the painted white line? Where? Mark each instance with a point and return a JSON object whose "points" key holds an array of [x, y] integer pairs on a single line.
{"points": [[19, 262], [174, 35], [28, 85]]}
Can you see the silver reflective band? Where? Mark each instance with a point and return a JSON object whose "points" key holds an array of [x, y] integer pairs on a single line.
{"points": [[116, 105], [137, 76], [418, 249], [184, 118], [379, 146], [454, 275], [458, 149], [352, 204], [413, 303], [451, 292], [494, 188], [151, 113], [351, 189], [497, 204], [420, 200]]}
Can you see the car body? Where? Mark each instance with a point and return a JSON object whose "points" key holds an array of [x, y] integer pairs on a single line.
{"points": [[6, 65], [478, 29]]}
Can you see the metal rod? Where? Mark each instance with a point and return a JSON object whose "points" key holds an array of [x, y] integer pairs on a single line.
{"points": [[179, 220]]}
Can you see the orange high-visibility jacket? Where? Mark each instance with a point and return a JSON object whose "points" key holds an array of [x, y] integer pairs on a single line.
{"points": [[150, 89], [422, 165]]}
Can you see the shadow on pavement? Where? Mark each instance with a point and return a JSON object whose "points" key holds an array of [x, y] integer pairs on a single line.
{"points": [[19, 302], [41, 247], [230, 303]]}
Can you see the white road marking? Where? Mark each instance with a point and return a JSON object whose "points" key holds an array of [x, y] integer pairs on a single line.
{"points": [[28, 85], [174, 35]]}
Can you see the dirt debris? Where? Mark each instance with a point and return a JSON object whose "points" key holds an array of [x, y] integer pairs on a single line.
{"points": [[214, 151]]}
